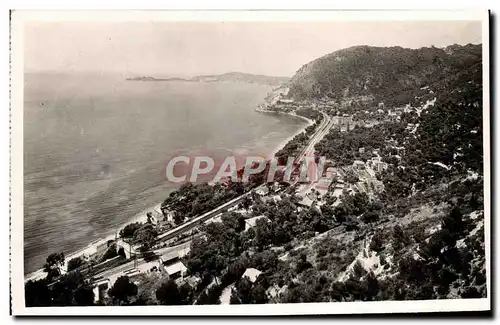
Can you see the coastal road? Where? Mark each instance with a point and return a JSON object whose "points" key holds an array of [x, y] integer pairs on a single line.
{"points": [[140, 264], [323, 129]]}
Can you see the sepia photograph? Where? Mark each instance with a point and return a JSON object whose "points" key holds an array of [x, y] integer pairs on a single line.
{"points": [[249, 163]]}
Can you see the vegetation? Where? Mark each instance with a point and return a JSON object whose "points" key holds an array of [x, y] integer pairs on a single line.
{"points": [[70, 289], [75, 263], [415, 240], [122, 290], [53, 265], [387, 74]]}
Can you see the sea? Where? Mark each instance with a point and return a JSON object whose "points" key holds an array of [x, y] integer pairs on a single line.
{"points": [[96, 146]]}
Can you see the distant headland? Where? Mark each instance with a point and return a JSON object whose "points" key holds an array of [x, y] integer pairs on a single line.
{"points": [[230, 76]]}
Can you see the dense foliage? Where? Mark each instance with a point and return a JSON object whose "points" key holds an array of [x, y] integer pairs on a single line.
{"points": [[389, 74]]}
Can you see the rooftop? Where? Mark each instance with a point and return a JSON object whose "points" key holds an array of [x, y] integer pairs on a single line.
{"points": [[175, 268], [169, 256], [252, 274]]}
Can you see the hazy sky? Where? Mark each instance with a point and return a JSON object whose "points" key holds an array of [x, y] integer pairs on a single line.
{"points": [[183, 49]]}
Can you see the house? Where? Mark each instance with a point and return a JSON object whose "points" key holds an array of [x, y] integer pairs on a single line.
{"points": [[252, 274], [176, 270], [99, 288], [169, 215], [400, 150], [343, 128], [263, 190], [192, 281], [251, 222], [358, 165], [169, 258], [330, 172], [380, 166], [361, 150], [322, 187], [378, 185], [370, 172], [306, 202], [360, 186]]}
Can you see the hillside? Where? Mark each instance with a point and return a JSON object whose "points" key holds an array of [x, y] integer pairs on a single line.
{"points": [[387, 73], [402, 216]]}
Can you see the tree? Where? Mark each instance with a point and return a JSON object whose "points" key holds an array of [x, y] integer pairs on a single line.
{"points": [[63, 291], [246, 202], [242, 291], [84, 296], [376, 244], [454, 222], [470, 292], [168, 293], [234, 221], [370, 216], [186, 294], [371, 286], [74, 263], [129, 231], [53, 265], [146, 235], [234, 300], [123, 289], [37, 293], [110, 253]]}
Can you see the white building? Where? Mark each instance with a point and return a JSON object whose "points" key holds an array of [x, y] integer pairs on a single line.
{"points": [[252, 274]]}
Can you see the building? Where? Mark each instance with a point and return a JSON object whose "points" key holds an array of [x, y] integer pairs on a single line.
{"points": [[169, 258], [361, 187], [331, 172], [251, 222], [380, 166], [322, 187], [399, 150], [361, 150], [252, 274], [306, 202], [358, 165], [176, 270], [169, 216], [351, 126], [100, 288], [263, 190], [343, 128], [192, 281]]}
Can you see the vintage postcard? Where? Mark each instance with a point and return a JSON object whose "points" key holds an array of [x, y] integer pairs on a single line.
{"points": [[249, 162]]}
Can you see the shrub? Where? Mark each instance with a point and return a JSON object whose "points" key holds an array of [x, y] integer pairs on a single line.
{"points": [[74, 263]]}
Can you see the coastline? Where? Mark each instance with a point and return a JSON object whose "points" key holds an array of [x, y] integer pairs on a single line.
{"points": [[141, 216], [282, 144]]}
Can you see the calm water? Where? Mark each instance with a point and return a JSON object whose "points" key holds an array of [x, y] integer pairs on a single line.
{"points": [[95, 148]]}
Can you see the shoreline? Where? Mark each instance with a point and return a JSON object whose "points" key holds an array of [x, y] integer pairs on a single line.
{"points": [[141, 216], [283, 144]]}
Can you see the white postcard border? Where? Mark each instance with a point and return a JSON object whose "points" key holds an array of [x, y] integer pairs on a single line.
{"points": [[17, 220]]}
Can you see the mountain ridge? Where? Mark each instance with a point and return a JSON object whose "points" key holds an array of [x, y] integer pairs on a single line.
{"points": [[381, 71]]}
